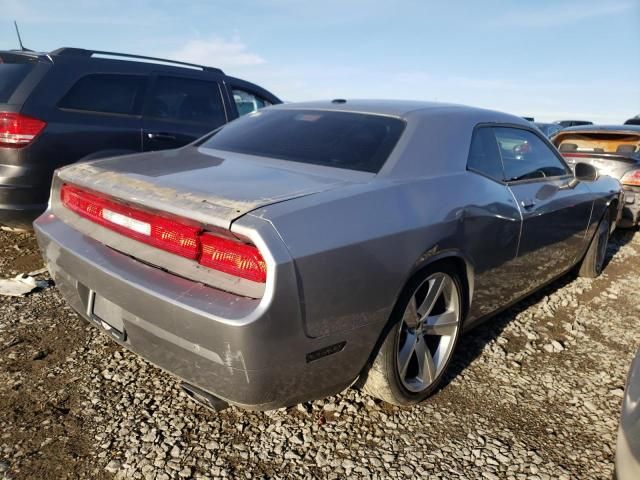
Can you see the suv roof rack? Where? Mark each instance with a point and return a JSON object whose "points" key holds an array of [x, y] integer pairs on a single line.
{"points": [[124, 56]]}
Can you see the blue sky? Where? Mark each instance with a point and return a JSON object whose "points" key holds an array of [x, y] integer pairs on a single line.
{"points": [[549, 59]]}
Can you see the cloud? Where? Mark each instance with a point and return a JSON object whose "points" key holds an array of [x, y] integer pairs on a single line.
{"points": [[217, 52], [558, 14]]}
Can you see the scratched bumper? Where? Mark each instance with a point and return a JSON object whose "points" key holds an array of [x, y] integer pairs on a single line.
{"points": [[237, 348]]}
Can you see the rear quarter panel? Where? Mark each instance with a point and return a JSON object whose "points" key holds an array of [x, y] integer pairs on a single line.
{"points": [[354, 248]]}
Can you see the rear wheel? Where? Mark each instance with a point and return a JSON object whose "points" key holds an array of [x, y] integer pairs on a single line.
{"points": [[593, 261], [419, 345]]}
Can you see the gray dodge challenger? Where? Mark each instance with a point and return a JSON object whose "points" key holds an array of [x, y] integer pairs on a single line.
{"points": [[305, 248]]}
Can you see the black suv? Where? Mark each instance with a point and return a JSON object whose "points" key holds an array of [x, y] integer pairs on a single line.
{"points": [[73, 104]]}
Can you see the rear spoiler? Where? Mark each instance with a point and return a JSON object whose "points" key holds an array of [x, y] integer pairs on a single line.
{"points": [[605, 156], [24, 53]]}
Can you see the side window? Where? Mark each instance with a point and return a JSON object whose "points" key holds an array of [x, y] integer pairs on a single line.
{"points": [[525, 156], [484, 156], [106, 93], [186, 100], [248, 102]]}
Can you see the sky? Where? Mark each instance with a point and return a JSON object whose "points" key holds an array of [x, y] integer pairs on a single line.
{"points": [[552, 60]]}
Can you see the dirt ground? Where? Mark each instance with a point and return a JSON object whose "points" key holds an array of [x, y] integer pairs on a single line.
{"points": [[514, 395]]}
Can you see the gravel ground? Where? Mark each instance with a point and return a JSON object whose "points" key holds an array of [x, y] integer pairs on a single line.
{"points": [[533, 394]]}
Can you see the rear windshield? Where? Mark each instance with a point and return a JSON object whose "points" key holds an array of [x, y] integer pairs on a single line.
{"points": [[618, 143], [13, 69], [354, 141]]}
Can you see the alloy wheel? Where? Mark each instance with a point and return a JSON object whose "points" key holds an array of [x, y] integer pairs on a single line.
{"points": [[428, 331]]}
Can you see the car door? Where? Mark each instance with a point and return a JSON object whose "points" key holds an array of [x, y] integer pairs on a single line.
{"points": [[555, 209], [491, 231], [100, 112], [181, 109]]}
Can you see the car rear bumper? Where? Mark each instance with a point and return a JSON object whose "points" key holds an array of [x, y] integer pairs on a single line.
{"points": [[20, 216], [631, 207], [24, 189], [250, 352]]}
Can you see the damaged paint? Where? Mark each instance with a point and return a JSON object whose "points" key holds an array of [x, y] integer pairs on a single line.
{"points": [[215, 193]]}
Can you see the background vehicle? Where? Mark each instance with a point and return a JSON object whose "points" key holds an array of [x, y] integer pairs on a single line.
{"points": [[613, 150], [72, 104], [573, 123], [633, 121], [305, 246], [628, 449], [548, 128]]}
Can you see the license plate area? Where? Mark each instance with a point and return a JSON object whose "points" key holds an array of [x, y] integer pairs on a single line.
{"points": [[108, 315]]}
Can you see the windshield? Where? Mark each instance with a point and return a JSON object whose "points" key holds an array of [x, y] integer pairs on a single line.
{"points": [[354, 141], [13, 69]]}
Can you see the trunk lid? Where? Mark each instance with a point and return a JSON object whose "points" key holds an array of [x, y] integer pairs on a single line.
{"points": [[606, 164], [196, 184], [613, 151]]}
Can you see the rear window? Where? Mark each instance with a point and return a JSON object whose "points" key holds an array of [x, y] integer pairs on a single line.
{"points": [[618, 143], [107, 93], [13, 70], [354, 141]]}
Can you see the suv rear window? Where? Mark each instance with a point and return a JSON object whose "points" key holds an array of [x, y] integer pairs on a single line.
{"points": [[354, 141], [13, 70], [107, 93]]}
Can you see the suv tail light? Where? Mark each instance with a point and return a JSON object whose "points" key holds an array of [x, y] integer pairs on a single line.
{"points": [[631, 178], [17, 130], [210, 250]]}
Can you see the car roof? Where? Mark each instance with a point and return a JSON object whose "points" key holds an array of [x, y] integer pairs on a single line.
{"points": [[403, 109], [104, 55], [603, 129]]}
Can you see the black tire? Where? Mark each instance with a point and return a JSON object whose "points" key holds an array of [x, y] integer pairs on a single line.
{"points": [[383, 379], [593, 261]]}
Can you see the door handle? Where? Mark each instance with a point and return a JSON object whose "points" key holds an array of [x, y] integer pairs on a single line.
{"points": [[527, 204], [160, 136]]}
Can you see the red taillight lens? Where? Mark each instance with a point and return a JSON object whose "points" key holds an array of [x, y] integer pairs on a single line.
{"points": [[234, 258], [17, 130], [212, 251], [631, 178], [149, 228]]}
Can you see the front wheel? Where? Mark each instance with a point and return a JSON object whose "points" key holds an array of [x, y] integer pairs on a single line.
{"points": [[419, 345], [593, 262]]}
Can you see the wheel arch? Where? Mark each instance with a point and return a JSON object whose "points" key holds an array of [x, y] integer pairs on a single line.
{"points": [[613, 206], [453, 258], [462, 265]]}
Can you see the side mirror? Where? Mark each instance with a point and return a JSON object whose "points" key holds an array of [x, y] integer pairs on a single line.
{"points": [[585, 172]]}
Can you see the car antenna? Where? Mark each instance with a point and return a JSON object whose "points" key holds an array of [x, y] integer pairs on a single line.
{"points": [[22, 47]]}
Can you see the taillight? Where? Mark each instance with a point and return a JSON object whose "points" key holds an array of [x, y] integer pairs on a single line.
{"points": [[212, 251], [234, 258], [17, 130], [631, 178]]}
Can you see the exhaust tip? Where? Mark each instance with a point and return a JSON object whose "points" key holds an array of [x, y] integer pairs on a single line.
{"points": [[203, 398]]}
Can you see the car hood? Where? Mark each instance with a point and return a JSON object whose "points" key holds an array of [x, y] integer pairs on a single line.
{"points": [[211, 187]]}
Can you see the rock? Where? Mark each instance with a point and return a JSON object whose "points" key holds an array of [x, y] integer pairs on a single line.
{"points": [[113, 466]]}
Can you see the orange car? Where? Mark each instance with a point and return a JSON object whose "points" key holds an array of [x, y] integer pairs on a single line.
{"points": [[614, 151]]}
